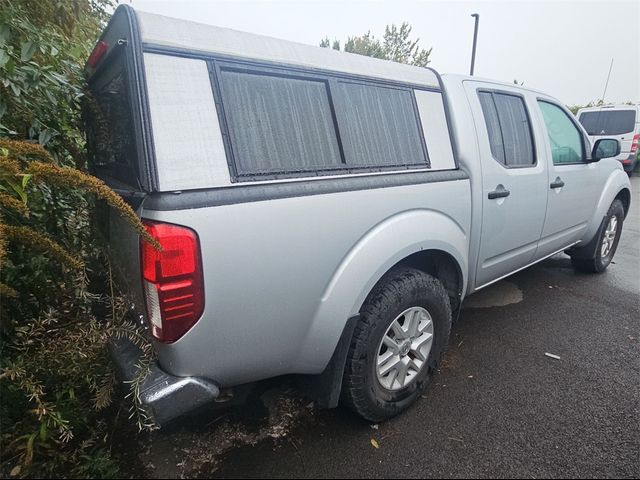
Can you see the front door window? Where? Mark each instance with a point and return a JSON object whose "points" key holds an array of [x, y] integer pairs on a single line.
{"points": [[565, 138]]}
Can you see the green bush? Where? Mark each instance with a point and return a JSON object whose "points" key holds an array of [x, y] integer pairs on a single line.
{"points": [[56, 381]]}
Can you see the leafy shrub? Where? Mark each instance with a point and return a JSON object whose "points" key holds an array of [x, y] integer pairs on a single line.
{"points": [[43, 46], [54, 368], [56, 382]]}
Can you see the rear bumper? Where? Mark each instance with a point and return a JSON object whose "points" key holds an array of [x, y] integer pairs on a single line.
{"points": [[163, 396]]}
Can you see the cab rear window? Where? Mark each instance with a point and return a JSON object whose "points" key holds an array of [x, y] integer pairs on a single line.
{"points": [[612, 122]]}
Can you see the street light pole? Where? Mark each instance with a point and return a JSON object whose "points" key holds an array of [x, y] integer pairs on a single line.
{"points": [[475, 41]]}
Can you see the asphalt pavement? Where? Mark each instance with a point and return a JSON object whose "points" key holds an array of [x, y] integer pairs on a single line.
{"points": [[500, 407]]}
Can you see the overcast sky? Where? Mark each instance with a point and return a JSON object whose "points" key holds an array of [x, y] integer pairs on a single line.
{"points": [[563, 48]]}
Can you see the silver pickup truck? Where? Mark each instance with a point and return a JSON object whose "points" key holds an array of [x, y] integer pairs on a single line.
{"points": [[322, 213]]}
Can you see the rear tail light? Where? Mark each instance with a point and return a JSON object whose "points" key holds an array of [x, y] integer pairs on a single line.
{"points": [[173, 285], [634, 143], [98, 52]]}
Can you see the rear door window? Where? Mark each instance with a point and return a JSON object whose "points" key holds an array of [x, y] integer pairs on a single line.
{"points": [[608, 122], [508, 128]]}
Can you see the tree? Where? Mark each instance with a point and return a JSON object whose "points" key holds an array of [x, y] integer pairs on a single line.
{"points": [[595, 103], [396, 45]]}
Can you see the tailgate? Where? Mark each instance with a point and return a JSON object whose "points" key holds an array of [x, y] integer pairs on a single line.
{"points": [[124, 252], [115, 153]]}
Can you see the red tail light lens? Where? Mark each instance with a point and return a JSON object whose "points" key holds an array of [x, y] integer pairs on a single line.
{"points": [[173, 285], [98, 52], [634, 143]]}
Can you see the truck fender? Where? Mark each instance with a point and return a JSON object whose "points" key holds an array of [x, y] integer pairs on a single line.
{"points": [[383, 246], [617, 181]]}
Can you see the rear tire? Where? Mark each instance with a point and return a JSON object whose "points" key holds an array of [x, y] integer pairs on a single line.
{"points": [[607, 242], [417, 303]]}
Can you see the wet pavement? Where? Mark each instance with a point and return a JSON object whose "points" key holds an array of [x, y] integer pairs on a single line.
{"points": [[500, 407]]}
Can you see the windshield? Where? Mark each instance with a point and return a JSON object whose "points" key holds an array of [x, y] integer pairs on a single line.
{"points": [[608, 122]]}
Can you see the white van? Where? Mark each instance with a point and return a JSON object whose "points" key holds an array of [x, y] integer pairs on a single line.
{"points": [[621, 122]]}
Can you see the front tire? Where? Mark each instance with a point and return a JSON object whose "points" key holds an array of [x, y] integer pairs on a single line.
{"points": [[402, 334], [607, 242]]}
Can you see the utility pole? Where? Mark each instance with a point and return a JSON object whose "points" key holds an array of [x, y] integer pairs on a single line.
{"points": [[475, 41]]}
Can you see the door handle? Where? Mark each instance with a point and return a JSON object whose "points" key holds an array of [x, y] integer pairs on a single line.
{"points": [[557, 183], [499, 192]]}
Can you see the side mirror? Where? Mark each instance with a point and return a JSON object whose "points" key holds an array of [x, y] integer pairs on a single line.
{"points": [[605, 148]]}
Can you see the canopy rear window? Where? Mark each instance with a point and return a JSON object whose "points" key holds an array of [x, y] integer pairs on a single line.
{"points": [[111, 141]]}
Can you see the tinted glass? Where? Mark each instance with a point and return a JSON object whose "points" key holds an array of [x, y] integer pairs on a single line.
{"points": [[109, 125], [278, 123], [564, 136], [378, 126], [508, 128], [493, 125], [610, 122], [516, 134]]}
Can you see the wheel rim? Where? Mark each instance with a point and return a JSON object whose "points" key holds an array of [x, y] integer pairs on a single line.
{"points": [[609, 236], [404, 348]]}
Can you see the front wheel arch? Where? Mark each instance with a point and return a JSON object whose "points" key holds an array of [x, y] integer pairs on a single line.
{"points": [[624, 196], [616, 186], [589, 257]]}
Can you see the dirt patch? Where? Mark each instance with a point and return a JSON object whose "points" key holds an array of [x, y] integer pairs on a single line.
{"points": [[194, 449]]}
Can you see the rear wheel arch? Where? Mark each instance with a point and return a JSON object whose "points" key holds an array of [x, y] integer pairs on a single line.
{"points": [[405, 237], [442, 266], [388, 364], [439, 264]]}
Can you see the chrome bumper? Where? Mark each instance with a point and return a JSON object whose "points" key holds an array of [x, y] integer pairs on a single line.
{"points": [[163, 396]]}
